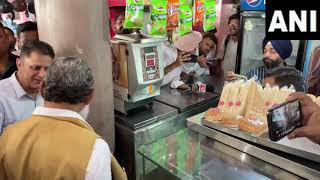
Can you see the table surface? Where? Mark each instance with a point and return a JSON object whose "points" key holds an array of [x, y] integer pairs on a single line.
{"points": [[184, 101], [146, 116], [190, 155]]}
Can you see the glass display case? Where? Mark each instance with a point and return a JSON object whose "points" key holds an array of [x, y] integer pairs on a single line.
{"points": [[190, 155]]}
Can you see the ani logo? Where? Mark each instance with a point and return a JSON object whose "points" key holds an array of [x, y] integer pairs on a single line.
{"points": [[254, 3]]}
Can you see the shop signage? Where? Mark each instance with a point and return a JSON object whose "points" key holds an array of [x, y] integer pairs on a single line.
{"points": [[293, 20], [252, 5]]}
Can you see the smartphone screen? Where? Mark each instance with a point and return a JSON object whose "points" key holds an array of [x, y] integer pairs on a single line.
{"points": [[283, 119]]}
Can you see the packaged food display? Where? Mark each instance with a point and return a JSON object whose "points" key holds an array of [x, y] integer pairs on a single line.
{"points": [[210, 15], [134, 14], [158, 17], [213, 115], [253, 125], [185, 15], [198, 14], [173, 14]]}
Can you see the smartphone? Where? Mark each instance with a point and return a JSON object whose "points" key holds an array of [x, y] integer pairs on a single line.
{"points": [[193, 58], [283, 119]]}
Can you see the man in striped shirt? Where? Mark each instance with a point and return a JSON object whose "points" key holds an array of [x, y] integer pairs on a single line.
{"points": [[275, 52]]}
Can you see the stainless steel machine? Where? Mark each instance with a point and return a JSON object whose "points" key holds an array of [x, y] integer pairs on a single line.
{"points": [[137, 71]]}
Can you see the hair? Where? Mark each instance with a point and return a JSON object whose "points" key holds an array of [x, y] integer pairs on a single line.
{"points": [[37, 46], [68, 79], [10, 30], [211, 36], [234, 16], [26, 26], [286, 76]]}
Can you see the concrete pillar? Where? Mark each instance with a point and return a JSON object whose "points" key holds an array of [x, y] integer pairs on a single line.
{"points": [[80, 28]]}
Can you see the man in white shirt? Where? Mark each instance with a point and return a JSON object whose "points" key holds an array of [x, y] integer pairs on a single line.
{"points": [[19, 93], [177, 59], [74, 150], [229, 45]]}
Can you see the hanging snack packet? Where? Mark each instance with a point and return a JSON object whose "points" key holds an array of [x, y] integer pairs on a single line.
{"points": [[158, 17], [173, 14], [185, 14], [198, 14], [134, 14], [210, 15]]}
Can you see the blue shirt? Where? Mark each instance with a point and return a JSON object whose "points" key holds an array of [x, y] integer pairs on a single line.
{"points": [[15, 103]]}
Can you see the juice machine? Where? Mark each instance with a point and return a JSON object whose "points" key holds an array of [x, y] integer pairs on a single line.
{"points": [[137, 71]]}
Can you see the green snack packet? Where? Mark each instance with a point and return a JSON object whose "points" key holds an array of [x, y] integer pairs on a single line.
{"points": [[134, 14], [185, 2], [158, 17], [185, 14], [210, 15]]}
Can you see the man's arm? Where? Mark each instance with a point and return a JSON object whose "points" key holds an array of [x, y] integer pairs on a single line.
{"points": [[99, 166]]}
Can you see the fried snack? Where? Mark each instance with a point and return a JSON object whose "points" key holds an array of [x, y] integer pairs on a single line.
{"points": [[252, 125], [213, 115], [229, 119], [158, 17]]}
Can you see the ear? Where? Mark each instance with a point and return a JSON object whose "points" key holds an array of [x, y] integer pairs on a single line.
{"points": [[88, 98], [19, 63], [42, 88]]}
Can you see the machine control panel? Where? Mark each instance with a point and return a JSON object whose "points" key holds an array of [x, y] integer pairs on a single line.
{"points": [[150, 63]]}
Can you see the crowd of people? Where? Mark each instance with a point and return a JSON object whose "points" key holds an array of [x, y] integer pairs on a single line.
{"points": [[43, 110], [44, 99]]}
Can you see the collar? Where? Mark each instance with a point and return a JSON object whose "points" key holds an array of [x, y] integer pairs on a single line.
{"points": [[45, 111], [17, 87]]}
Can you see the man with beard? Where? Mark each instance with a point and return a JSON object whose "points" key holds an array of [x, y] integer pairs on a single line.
{"points": [[274, 54], [229, 45]]}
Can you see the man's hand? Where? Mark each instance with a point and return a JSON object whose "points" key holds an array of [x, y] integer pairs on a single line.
{"points": [[310, 118], [231, 76], [181, 59], [202, 61]]}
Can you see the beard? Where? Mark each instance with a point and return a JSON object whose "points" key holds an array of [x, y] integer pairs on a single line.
{"points": [[271, 64]]}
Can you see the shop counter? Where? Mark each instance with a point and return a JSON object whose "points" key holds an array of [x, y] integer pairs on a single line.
{"points": [[192, 155]]}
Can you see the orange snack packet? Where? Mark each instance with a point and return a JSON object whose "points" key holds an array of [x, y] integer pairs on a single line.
{"points": [[198, 14], [173, 14]]}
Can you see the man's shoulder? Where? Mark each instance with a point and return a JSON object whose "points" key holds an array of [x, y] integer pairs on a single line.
{"points": [[5, 84]]}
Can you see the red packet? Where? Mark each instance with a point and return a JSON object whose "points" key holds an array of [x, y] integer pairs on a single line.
{"points": [[198, 15], [173, 14]]}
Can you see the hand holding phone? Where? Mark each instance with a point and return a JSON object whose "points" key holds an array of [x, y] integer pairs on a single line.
{"points": [[283, 119]]}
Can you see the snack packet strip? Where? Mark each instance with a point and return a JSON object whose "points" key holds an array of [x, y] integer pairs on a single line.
{"points": [[134, 14]]}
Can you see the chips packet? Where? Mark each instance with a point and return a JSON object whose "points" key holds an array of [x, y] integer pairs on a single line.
{"points": [[210, 15], [173, 14], [185, 15], [134, 14], [158, 17], [198, 15]]}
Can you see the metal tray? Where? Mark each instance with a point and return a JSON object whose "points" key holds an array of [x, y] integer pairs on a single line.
{"points": [[262, 140]]}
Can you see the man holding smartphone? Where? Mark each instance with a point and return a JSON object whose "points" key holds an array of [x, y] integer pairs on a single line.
{"points": [[310, 118], [177, 55]]}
